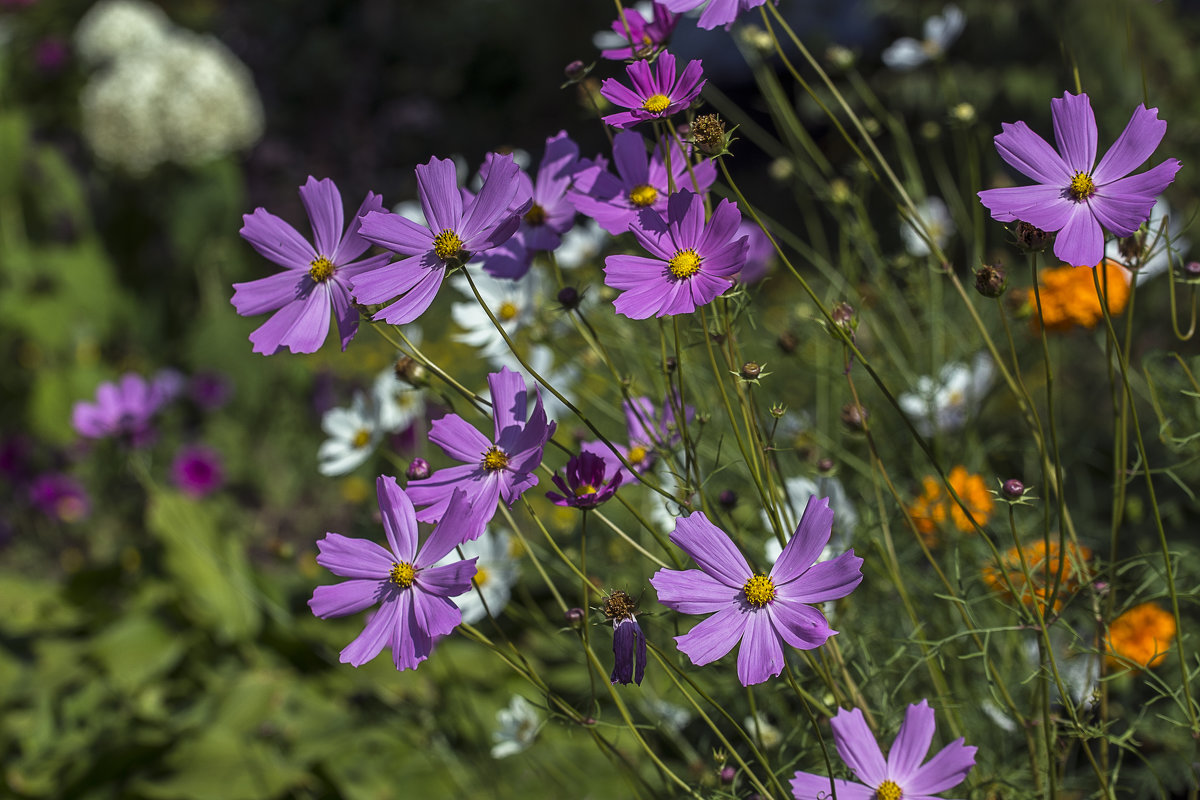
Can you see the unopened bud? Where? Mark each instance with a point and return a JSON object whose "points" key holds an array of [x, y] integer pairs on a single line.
{"points": [[751, 371], [825, 465], [670, 364], [575, 70], [574, 616], [568, 297], [787, 342], [1013, 489], [843, 315], [727, 498], [991, 280], [418, 469], [727, 774], [410, 371], [854, 416]]}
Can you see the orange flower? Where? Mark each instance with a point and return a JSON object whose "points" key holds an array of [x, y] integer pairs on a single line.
{"points": [[931, 510], [1042, 573], [1142, 634], [1069, 295]]}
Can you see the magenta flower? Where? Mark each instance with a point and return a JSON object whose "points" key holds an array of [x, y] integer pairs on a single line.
{"points": [[197, 471], [125, 408], [500, 468], [643, 36], [413, 594], [760, 611], [1073, 194], [719, 12], [315, 279], [456, 232], [585, 485], [641, 182], [691, 262], [60, 497], [902, 774], [657, 92]]}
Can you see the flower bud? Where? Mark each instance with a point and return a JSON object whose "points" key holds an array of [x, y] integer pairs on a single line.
{"points": [[1012, 489], [574, 616], [418, 469], [575, 70], [727, 774], [787, 342], [825, 465], [569, 297], [843, 315], [991, 280], [727, 498], [410, 371], [751, 371], [854, 416]]}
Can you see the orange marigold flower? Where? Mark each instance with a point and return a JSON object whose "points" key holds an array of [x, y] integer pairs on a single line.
{"points": [[1069, 295], [930, 511], [1042, 573], [1143, 634]]}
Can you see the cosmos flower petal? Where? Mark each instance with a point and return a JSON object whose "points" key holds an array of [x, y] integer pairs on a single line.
{"points": [[721, 226], [692, 591], [686, 212], [375, 636], [807, 786], [347, 597], [441, 202], [911, 744], [435, 614], [411, 644], [713, 637], [276, 240], [509, 400], [858, 748], [435, 491], [946, 769], [492, 203], [828, 580], [630, 157], [1080, 243], [396, 233], [323, 202], [628, 272], [415, 302], [1041, 206], [619, 94], [1122, 214], [353, 244], [806, 544], [801, 626], [399, 518], [760, 655], [458, 438], [449, 580], [1136, 143], [457, 525], [1137, 188], [269, 293], [639, 303], [1031, 155], [1075, 131], [354, 558], [711, 549], [345, 313], [690, 82], [301, 326]]}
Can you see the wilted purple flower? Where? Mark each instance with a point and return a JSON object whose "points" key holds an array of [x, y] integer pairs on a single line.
{"points": [[455, 233], [719, 12], [124, 408], [629, 643], [691, 262], [1073, 194], [902, 774], [500, 468], [197, 471], [585, 485], [657, 91], [413, 594], [60, 497], [761, 611], [314, 281], [614, 201], [642, 36]]}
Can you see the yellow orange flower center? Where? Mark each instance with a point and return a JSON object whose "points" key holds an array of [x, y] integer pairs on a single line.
{"points": [[656, 103], [759, 590], [320, 269], [888, 790], [481, 576], [536, 215], [494, 459], [637, 453], [643, 196], [361, 438], [446, 245], [583, 489], [508, 311], [1081, 187], [402, 574], [684, 264]]}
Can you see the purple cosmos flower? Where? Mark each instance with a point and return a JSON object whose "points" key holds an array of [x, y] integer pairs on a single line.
{"points": [[629, 643], [642, 36], [719, 12], [657, 92], [500, 468], [758, 610], [691, 262], [455, 232], [60, 497], [197, 471], [760, 253], [614, 201], [413, 594], [585, 485], [314, 281], [550, 214], [902, 774], [649, 431], [1073, 194], [124, 408]]}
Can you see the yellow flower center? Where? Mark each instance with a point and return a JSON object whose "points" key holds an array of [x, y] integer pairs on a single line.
{"points": [[321, 269], [481, 576], [759, 591], [361, 438], [888, 790], [583, 489], [402, 574], [536, 215], [637, 453], [494, 459], [684, 264], [508, 311], [446, 245], [643, 196], [1081, 187], [656, 103]]}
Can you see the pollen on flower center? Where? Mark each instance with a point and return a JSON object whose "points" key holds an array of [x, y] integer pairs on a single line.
{"points": [[494, 459], [684, 264], [1082, 187], [536, 215], [643, 196], [446, 245], [759, 591], [361, 438], [508, 311], [888, 790], [402, 574], [321, 269], [656, 103], [637, 453]]}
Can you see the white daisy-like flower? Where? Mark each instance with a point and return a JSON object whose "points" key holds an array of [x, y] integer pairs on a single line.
{"points": [[935, 219], [515, 304], [519, 726], [397, 404], [495, 573], [353, 435], [581, 244], [112, 28], [944, 403], [940, 32], [1165, 245]]}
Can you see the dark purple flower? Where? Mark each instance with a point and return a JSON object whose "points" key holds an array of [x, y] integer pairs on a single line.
{"points": [[1073, 194], [197, 471], [210, 390], [902, 775], [585, 485], [657, 91], [641, 182], [629, 643], [124, 408], [760, 611], [59, 497], [456, 232], [314, 281], [500, 468], [691, 263], [718, 12], [413, 594], [642, 36]]}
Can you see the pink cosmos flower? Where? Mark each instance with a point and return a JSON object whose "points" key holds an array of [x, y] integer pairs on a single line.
{"points": [[718, 12], [657, 92], [126, 407], [1073, 194], [315, 279], [197, 471], [642, 36]]}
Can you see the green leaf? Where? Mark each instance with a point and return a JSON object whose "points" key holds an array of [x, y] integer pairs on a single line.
{"points": [[136, 650]]}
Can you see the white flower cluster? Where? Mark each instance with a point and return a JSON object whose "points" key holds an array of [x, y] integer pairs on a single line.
{"points": [[161, 93]]}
